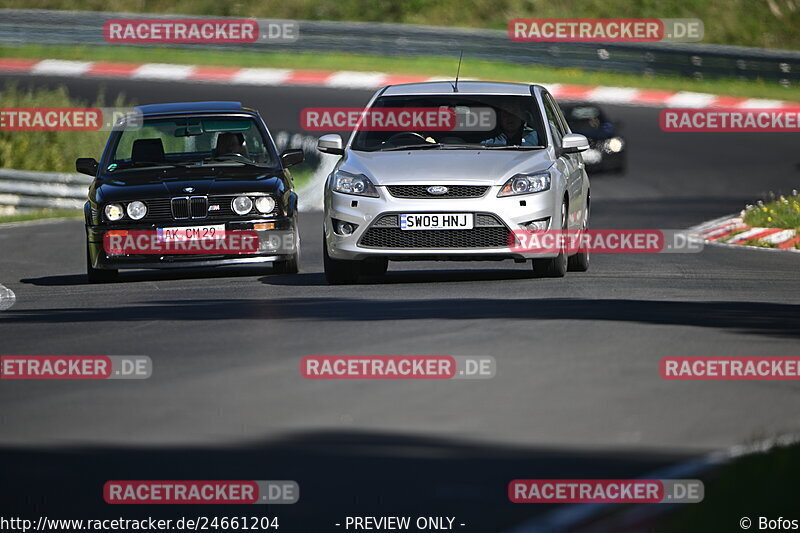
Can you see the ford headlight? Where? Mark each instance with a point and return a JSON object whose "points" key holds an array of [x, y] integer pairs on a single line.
{"points": [[114, 212], [525, 184], [137, 210], [357, 184]]}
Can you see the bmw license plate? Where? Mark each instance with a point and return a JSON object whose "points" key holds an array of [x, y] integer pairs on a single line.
{"points": [[191, 233], [436, 221]]}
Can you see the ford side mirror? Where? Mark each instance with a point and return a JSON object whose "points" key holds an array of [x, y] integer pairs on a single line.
{"points": [[572, 143], [330, 144]]}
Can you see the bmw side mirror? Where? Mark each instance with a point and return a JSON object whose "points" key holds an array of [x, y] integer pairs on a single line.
{"points": [[330, 144], [86, 165], [292, 157], [572, 143]]}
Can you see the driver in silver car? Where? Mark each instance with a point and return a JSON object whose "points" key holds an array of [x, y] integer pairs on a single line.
{"points": [[512, 129]]}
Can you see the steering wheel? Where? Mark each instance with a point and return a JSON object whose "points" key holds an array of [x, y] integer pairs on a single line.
{"points": [[407, 134], [233, 154]]}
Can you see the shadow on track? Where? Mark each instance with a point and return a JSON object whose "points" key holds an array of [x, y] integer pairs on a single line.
{"points": [[339, 474], [310, 279], [154, 275], [764, 318]]}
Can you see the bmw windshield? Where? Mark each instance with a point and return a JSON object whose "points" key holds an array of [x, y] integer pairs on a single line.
{"points": [[191, 141]]}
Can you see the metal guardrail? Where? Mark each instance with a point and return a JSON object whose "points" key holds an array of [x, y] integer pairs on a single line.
{"points": [[27, 189], [19, 27]]}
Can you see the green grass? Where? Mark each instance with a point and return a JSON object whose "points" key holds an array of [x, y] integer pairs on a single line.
{"points": [[432, 66], [781, 212], [302, 174], [53, 151], [762, 23], [41, 213], [762, 484]]}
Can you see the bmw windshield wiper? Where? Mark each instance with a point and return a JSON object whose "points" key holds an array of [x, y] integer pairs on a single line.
{"points": [[233, 159], [146, 164]]}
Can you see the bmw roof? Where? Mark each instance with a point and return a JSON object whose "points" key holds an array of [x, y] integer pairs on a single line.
{"points": [[189, 107], [464, 87]]}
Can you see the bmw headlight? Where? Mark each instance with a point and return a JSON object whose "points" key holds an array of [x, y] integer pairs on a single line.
{"points": [[357, 184], [525, 184], [137, 210], [114, 212], [242, 205], [614, 145], [265, 204]]}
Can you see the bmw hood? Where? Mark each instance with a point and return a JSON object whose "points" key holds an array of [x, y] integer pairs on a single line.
{"points": [[446, 166], [122, 187]]}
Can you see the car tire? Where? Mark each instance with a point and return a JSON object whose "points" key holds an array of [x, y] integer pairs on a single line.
{"points": [[339, 271], [96, 275], [554, 267], [580, 261], [374, 266], [290, 266]]}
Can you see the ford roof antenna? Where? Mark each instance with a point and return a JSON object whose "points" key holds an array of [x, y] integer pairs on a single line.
{"points": [[455, 85]]}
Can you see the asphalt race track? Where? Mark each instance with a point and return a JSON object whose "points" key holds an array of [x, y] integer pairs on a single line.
{"points": [[577, 391]]}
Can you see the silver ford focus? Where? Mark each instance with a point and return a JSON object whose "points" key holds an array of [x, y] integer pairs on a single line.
{"points": [[453, 171]]}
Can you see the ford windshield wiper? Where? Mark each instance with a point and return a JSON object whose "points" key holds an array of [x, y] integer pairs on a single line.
{"points": [[513, 147], [412, 147]]}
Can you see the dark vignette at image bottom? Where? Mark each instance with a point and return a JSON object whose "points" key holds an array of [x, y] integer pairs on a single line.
{"points": [[339, 474]]}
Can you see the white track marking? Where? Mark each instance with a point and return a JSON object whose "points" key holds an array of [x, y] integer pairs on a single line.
{"points": [[7, 298], [162, 71], [261, 76], [61, 68]]}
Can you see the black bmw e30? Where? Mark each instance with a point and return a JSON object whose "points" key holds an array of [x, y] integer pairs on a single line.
{"points": [[197, 170]]}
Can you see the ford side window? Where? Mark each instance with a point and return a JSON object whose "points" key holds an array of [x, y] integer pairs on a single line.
{"points": [[553, 122]]}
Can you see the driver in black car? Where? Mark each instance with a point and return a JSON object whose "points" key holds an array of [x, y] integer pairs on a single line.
{"points": [[230, 143]]}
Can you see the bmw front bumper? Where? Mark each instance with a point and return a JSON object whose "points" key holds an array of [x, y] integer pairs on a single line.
{"points": [[270, 249]]}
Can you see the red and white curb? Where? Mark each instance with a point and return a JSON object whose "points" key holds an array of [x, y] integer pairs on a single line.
{"points": [[732, 231], [344, 79]]}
